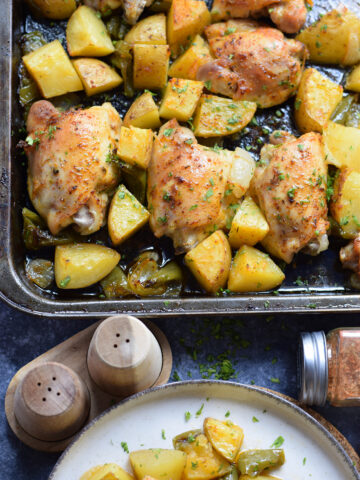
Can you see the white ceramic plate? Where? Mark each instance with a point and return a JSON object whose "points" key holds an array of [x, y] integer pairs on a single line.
{"points": [[311, 452]]}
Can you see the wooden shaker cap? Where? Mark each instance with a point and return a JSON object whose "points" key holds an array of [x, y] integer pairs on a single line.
{"points": [[124, 357], [51, 402]]}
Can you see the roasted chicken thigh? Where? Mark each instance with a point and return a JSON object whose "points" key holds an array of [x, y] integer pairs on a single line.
{"points": [[253, 63], [288, 15], [350, 258], [70, 171], [133, 8], [290, 187]]}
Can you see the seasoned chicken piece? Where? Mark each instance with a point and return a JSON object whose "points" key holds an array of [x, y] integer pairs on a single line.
{"points": [[288, 15], [350, 256], [290, 187], [133, 8], [258, 65], [186, 183], [70, 171]]}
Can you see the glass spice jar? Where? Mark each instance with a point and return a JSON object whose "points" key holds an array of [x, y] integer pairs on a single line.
{"points": [[329, 367]]}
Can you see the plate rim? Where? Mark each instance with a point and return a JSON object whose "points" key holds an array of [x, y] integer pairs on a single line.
{"points": [[240, 386]]}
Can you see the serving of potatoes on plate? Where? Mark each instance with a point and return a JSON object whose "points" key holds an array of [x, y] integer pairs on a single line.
{"points": [[168, 65]]}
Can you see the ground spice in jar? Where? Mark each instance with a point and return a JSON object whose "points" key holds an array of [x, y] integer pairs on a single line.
{"points": [[343, 346], [330, 367]]}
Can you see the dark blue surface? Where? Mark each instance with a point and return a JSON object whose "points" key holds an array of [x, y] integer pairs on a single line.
{"points": [[261, 350]]}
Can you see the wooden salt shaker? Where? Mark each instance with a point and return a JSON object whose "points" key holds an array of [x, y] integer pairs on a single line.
{"points": [[124, 357], [51, 402]]}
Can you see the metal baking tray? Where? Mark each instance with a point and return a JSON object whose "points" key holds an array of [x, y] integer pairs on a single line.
{"points": [[327, 289]]}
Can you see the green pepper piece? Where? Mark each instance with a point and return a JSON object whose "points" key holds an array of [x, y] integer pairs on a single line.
{"points": [[183, 439], [135, 179], [40, 272], [341, 111], [122, 59], [36, 234], [232, 475], [253, 462], [115, 285], [353, 116], [171, 272], [161, 6]]}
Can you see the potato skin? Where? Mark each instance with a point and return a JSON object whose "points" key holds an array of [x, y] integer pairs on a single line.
{"points": [[53, 9], [342, 145], [187, 65], [180, 99], [96, 76], [151, 63], [143, 113], [210, 261], [249, 225], [158, 463], [149, 31], [316, 100]]}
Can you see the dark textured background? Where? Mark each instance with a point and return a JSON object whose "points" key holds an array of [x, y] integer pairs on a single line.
{"points": [[261, 350]]}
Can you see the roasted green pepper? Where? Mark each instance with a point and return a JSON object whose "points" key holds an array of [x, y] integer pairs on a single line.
{"points": [[115, 285], [40, 272], [122, 59], [253, 462]]}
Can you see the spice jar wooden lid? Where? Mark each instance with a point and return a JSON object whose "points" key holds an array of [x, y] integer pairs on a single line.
{"points": [[124, 357], [51, 402]]}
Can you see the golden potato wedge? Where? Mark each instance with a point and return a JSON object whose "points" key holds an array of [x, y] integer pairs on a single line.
{"points": [[50, 64], [143, 113], [342, 146], [96, 76], [316, 100], [353, 80], [217, 116], [186, 18], [345, 203], [210, 261], [202, 461], [55, 9], [158, 463], [187, 65], [225, 437], [82, 264], [335, 38], [249, 225], [86, 34], [253, 271], [126, 216], [135, 146], [149, 31], [180, 99], [151, 63], [109, 471]]}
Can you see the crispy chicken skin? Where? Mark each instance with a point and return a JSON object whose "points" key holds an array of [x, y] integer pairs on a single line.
{"points": [[290, 187], [186, 183], [258, 65], [69, 173], [288, 15], [133, 8]]}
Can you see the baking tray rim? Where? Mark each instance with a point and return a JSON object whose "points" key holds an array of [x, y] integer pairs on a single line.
{"points": [[18, 295]]}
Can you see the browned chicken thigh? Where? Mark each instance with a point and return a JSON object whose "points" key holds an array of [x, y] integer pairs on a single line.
{"points": [[350, 258], [254, 64], [288, 15], [290, 187], [186, 183], [132, 8], [70, 171]]}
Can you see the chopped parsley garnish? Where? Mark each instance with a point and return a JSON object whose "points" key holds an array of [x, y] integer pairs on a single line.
{"points": [[168, 132], [194, 465], [193, 207], [191, 438], [208, 84], [230, 30], [52, 129], [199, 412], [163, 434], [291, 193], [162, 220], [255, 420], [125, 447], [65, 282], [187, 416], [166, 197], [180, 90], [227, 414], [189, 141], [209, 194], [175, 374], [274, 380], [304, 461], [298, 103], [301, 147], [278, 442], [121, 195]]}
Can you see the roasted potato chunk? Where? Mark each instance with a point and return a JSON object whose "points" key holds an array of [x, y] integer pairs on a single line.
{"points": [[353, 80], [225, 437], [86, 34], [158, 463], [186, 18], [342, 146], [202, 461], [50, 64], [135, 146], [149, 31], [55, 9], [109, 471], [218, 116], [253, 271], [345, 203], [335, 38], [180, 99], [187, 65], [210, 261], [151, 63], [83, 264], [96, 76], [143, 113], [316, 100], [126, 216], [249, 225]]}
